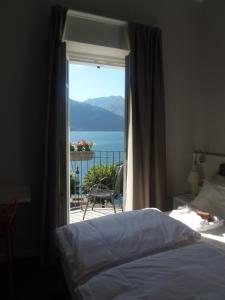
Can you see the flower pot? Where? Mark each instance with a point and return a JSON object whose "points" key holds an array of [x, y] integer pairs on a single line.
{"points": [[81, 155]]}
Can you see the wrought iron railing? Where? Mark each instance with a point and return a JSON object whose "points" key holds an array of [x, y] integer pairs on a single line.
{"points": [[79, 169]]}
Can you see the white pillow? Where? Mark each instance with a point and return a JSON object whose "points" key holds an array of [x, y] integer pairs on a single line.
{"points": [[111, 240], [219, 180], [211, 198]]}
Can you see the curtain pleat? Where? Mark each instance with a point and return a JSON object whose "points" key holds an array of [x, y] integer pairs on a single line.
{"points": [[54, 198], [148, 119]]}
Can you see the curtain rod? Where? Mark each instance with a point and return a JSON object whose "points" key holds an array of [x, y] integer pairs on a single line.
{"points": [[96, 18]]}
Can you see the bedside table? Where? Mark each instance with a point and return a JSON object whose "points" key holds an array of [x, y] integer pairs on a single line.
{"points": [[181, 200]]}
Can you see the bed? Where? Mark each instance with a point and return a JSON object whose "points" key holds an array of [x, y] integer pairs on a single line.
{"points": [[145, 254]]}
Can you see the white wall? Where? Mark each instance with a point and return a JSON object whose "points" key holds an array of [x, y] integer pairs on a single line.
{"points": [[180, 21], [23, 55], [210, 114]]}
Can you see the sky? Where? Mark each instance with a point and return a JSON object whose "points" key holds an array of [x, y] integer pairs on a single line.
{"points": [[87, 81]]}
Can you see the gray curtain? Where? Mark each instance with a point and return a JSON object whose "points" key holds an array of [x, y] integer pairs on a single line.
{"points": [[54, 198], [148, 117]]}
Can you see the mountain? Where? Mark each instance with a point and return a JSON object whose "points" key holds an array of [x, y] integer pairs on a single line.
{"points": [[114, 104], [87, 117]]}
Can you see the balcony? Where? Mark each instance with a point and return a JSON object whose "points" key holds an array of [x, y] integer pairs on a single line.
{"points": [[78, 171]]}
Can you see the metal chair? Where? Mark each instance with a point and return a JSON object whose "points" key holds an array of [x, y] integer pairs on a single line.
{"points": [[103, 191]]}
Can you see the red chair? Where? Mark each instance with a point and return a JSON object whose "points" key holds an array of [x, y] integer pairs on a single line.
{"points": [[7, 217]]}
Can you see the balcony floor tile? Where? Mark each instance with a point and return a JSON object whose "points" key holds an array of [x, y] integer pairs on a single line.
{"points": [[77, 215]]}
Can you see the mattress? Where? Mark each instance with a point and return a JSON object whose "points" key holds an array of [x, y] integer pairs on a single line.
{"points": [[190, 270], [195, 271], [127, 284], [215, 237], [65, 263]]}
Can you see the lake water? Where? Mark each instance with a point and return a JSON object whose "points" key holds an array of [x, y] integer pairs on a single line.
{"points": [[103, 140], [109, 143]]}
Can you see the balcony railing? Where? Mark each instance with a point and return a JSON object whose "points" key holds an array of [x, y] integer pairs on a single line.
{"points": [[79, 168]]}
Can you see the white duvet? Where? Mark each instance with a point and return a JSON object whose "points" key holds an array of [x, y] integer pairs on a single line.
{"points": [[189, 217], [94, 245], [191, 272]]}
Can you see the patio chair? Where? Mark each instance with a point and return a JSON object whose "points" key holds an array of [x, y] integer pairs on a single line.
{"points": [[104, 191]]}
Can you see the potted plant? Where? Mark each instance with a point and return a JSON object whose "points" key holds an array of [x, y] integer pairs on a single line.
{"points": [[81, 150], [96, 173]]}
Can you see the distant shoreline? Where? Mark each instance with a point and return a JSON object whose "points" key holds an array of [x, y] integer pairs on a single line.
{"points": [[91, 130], [103, 140]]}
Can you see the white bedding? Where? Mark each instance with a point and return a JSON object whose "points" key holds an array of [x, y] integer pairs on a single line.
{"points": [[195, 271], [189, 217], [211, 198], [94, 245], [134, 256]]}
